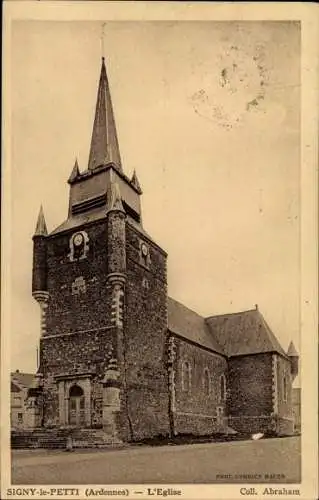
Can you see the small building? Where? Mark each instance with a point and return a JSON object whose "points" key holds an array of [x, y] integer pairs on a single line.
{"points": [[20, 384]]}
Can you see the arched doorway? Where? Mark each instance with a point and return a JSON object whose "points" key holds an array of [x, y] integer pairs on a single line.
{"points": [[76, 406]]}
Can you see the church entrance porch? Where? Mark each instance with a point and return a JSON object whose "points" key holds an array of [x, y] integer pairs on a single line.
{"points": [[74, 400]]}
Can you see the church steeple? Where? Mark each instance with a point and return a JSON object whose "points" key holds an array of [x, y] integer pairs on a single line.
{"points": [[104, 148], [103, 187]]}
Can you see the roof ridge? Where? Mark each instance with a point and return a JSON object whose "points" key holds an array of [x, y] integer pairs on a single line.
{"points": [[231, 314], [22, 373]]}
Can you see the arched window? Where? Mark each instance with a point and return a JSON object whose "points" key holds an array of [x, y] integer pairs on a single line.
{"points": [[76, 391], [206, 382], [222, 383], [285, 388], [186, 376]]}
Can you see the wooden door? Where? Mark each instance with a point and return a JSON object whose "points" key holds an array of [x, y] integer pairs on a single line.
{"points": [[76, 406]]}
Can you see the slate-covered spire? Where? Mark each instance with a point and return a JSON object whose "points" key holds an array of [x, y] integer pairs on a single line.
{"points": [[104, 144], [75, 172], [41, 227]]}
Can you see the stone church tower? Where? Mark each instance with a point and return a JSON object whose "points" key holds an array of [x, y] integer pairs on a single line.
{"points": [[100, 281]]}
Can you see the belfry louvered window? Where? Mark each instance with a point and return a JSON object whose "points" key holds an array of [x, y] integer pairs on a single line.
{"points": [[89, 204]]}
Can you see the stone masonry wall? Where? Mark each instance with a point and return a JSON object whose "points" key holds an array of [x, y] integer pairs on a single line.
{"points": [[257, 395], [71, 355], [196, 406], [145, 328], [250, 379], [282, 398], [284, 405], [78, 337], [78, 295], [252, 424]]}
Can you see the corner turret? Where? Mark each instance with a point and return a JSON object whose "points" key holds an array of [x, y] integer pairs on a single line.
{"points": [[41, 227], [39, 254], [294, 360], [39, 269]]}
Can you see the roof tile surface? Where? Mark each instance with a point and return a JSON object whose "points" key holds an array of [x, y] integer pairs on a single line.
{"points": [[24, 379], [187, 323], [234, 334], [244, 333]]}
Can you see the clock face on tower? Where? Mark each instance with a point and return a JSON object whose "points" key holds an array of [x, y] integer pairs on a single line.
{"points": [[144, 250], [79, 246], [78, 239], [144, 254]]}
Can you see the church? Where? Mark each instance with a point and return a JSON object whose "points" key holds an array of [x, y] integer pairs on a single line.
{"points": [[120, 360]]}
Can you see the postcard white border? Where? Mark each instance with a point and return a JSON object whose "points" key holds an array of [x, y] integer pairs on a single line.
{"points": [[90, 11]]}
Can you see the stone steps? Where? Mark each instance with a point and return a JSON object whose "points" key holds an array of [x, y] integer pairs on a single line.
{"points": [[36, 439], [62, 438]]}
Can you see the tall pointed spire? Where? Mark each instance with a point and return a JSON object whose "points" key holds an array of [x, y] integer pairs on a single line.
{"points": [[41, 227], [104, 144]]}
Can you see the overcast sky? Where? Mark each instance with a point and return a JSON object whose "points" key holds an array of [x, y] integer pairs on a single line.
{"points": [[208, 113]]}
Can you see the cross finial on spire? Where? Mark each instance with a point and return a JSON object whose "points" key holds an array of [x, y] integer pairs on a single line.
{"points": [[102, 42]]}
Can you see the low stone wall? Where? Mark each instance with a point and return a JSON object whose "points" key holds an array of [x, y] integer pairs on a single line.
{"points": [[265, 424], [252, 424], [196, 425]]}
